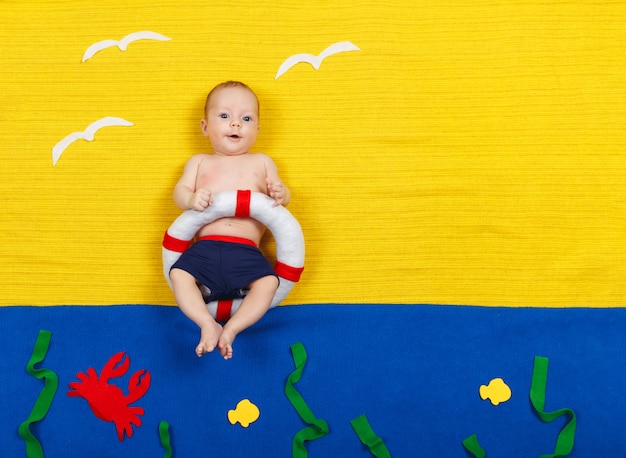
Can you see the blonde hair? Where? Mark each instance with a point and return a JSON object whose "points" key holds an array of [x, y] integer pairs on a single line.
{"points": [[227, 84]]}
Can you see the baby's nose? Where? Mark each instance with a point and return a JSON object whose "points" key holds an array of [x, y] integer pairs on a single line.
{"points": [[235, 122]]}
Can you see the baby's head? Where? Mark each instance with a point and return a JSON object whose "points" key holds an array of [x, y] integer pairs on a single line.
{"points": [[231, 120], [226, 85]]}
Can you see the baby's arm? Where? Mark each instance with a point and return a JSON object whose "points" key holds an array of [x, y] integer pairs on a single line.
{"points": [[185, 194], [276, 189]]}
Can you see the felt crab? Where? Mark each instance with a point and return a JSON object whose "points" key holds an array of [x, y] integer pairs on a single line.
{"points": [[107, 401]]}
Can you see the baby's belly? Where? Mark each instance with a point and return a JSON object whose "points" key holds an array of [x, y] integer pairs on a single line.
{"points": [[234, 227]]}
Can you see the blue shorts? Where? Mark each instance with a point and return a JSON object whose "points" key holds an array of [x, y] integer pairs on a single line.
{"points": [[226, 268]]}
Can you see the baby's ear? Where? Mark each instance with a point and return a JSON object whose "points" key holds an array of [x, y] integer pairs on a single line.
{"points": [[204, 126]]}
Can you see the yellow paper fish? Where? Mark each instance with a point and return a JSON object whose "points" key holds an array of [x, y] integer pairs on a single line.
{"points": [[496, 391], [245, 413]]}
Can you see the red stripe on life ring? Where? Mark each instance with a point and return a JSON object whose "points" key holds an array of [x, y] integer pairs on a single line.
{"points": [[288, 272], [174, 244], [243, 204], [224, 308]]}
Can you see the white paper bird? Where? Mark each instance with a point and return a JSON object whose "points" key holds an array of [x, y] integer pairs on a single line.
{"points": [[88, 134], [315, 61], [123, 43]]}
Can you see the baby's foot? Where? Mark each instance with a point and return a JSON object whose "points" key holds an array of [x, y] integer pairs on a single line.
{"points": [[225, 344], [209, 337]]}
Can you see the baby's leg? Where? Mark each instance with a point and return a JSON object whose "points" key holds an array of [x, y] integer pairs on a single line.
{"points": [[251, 310], [190, 301]]}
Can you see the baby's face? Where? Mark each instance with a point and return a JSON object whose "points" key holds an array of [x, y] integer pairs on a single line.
{"points": [[232, 121]]}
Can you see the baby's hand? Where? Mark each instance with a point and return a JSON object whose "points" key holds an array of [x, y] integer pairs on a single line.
{"points": [[276, 190], [200, 200]]}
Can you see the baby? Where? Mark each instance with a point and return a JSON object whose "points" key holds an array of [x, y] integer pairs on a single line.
{"points": [[225, 258]]}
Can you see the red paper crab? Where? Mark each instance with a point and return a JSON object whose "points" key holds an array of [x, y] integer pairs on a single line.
{"points": [[108, 402]]}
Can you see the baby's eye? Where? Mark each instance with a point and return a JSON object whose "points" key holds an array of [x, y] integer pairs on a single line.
{"points": [[224, 116], [247, 118]]}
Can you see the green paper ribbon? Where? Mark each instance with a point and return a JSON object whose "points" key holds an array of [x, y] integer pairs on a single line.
{"points": [[366, 434], [164, 435], [471, 445], [318, 428], [44, 401], [565, 439]]}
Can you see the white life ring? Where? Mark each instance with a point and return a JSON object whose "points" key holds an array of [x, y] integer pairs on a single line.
{"points": [[245, 204]]}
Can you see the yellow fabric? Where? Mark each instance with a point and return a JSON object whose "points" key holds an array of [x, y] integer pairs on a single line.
{"points": [[469, 153]]}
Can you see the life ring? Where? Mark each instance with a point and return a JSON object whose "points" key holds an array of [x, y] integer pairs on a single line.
{"points": [[243, 204]]}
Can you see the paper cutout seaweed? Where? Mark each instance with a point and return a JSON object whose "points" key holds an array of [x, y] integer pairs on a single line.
{"points": [[44, 401], [164, 435], [366, 434], [107, 401], [565, 439], [317, 428], [471, 445]]}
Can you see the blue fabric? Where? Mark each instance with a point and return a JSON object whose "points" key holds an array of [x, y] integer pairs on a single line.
{"points": [[413, 370]]}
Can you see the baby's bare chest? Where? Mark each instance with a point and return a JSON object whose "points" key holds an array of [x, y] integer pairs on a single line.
{"points": [[224, 175]]}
